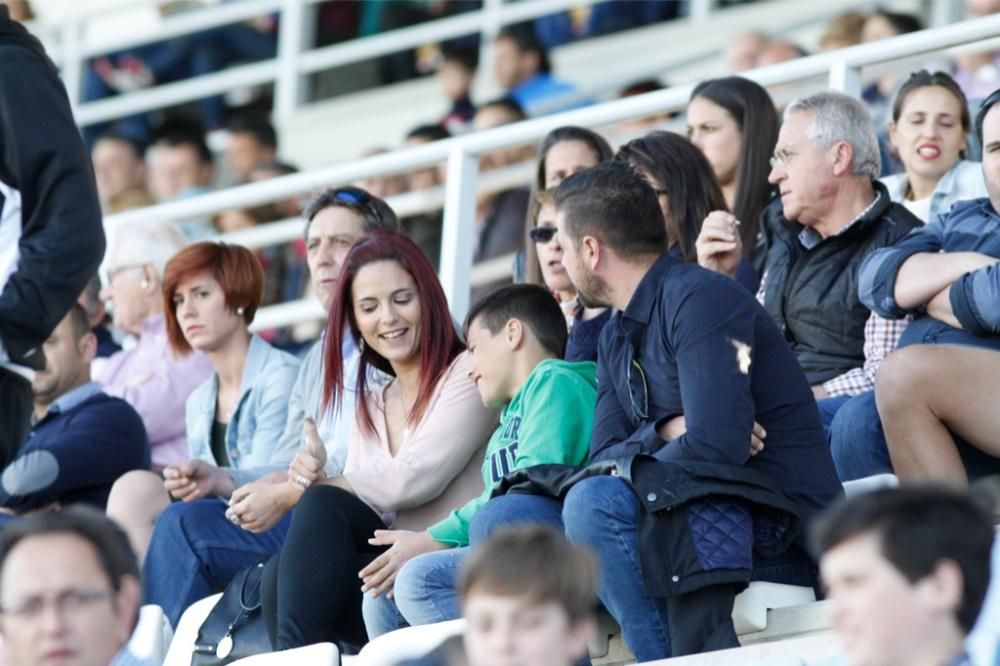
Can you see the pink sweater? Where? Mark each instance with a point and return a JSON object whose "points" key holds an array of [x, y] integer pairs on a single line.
{"points": [[437, 467]]}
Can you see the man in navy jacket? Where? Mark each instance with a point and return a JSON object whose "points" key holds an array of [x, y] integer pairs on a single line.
{"points": [[51, 236], [685, 367], [82, 439]]}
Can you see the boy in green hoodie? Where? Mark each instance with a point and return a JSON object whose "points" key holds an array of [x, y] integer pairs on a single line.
{"points": [[516, 338]]}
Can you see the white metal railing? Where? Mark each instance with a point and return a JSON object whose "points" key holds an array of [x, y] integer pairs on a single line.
{"points": [[293, 61], [841, 69]]}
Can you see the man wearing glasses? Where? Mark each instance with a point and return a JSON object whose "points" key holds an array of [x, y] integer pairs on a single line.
{"points": [[832, 214], [685, 367], [69, 590]]}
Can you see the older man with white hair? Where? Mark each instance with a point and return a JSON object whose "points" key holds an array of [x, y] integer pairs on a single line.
{"points": [[832, 213], [148, 376]]}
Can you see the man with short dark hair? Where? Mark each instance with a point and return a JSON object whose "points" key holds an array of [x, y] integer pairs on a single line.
{"points": [[82, 439], [252, 141], [522, 68], [686, 366], [69, 590], [180, 165], [118, 167], [906, 572]]}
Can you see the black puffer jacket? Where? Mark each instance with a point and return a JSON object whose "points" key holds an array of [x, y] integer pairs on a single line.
{"points": [[812, 294]]}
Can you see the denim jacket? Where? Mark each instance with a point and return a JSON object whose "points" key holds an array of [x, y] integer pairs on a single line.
{"points": [[962, 181], [259, 417]]}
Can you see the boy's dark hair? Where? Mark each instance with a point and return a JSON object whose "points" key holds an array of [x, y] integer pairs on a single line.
{"points": [[375, 213], [429, 133], [256, 125], [114, 553], [464, 57], [533, 305], [508, 104], [188, 137], [523, 35], [536, 562], [615, 204], [918, 527]]}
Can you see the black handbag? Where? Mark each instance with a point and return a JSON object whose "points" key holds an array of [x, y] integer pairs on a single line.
{"points": [[235, 627]]}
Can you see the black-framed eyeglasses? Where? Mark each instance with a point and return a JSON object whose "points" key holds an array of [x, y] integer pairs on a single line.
{"points": [[70, 601], [542, 235], [638, 393]]}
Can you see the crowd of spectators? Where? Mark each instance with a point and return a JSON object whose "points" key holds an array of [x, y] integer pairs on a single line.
{"points": [[707, 336]]}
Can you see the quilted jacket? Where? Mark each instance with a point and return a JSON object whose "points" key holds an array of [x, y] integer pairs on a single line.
{"points": [[701, 522]]}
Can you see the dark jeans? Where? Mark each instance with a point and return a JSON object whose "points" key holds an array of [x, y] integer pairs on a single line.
{"points": [[859, 449], [603, 513], [311, 592], [15, 414], [195, 551]]}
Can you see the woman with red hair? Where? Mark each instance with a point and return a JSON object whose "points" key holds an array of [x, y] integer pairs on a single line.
{"points": [[414, 455], [211, 292]]}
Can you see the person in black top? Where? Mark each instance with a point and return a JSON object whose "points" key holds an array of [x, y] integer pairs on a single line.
{"points": [[686, 365], [51, 236]]}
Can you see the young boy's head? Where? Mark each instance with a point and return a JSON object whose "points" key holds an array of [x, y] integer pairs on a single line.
{"points": [[509, 332], [528, 595], [456, 73], [906, 571]]}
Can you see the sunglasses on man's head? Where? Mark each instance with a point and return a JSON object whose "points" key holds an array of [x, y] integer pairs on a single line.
{"points": [[542, 234]]}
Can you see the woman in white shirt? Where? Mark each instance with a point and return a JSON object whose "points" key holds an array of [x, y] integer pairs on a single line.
{"points": [[929, 129]]}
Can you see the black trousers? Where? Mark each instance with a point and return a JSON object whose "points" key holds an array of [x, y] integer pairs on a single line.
{"points": [[310, 592], [15, 414]]}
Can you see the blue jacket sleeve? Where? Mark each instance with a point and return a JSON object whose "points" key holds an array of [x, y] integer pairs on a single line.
{"points": [[975, 301], [714, 337], [94, 447], [877, 277]]}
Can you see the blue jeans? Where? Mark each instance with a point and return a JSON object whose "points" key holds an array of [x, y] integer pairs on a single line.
{"points": [[424, 590], [857, 442], [859, 449], [195, 552], [828, 408], [603, 513]]}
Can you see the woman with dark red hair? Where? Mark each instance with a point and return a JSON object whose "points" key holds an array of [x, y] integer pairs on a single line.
{"points": [[415, 454], [211, 292]]}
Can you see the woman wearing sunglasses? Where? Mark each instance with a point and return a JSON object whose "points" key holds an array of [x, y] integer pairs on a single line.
{"points": [[584, 324]]}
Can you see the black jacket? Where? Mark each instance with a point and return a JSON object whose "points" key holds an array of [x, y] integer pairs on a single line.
{"points": [[701, 522], [49, 208], [812, 294]]}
